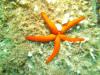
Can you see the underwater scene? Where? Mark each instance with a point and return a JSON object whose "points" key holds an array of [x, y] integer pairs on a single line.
{"points": [[49, 37]]}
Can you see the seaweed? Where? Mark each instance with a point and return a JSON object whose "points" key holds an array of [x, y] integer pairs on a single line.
{"points": [[19, 18]]}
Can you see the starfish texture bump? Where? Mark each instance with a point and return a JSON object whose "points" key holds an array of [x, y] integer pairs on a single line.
{"points": [[56, 35]]}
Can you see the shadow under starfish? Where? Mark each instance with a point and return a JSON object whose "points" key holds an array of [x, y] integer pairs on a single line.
{"points": [[56, 35]]}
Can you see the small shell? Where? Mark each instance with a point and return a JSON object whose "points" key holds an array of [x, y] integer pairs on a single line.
{"points": [[59, 27], [36, 8], [51, 1], [30, 54]]}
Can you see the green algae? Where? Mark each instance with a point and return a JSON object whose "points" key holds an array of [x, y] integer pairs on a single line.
{"points": [[19, 18]]}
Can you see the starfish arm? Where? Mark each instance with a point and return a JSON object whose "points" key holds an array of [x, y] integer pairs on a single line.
{"points": [[72, 23], [41, 38], [49, 23], [56, 49], [66, 38]]}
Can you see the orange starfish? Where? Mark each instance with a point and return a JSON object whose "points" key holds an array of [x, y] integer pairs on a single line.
{"points": [[56, 35]]}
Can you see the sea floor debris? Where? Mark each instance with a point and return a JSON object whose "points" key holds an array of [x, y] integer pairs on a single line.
{"points": [[19, 18]]}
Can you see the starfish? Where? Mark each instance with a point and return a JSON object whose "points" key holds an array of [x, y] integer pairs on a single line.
{"points": [[56, 35]]}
